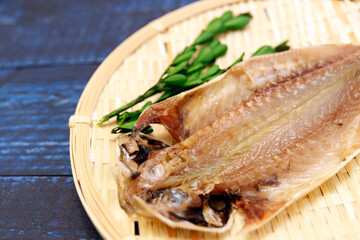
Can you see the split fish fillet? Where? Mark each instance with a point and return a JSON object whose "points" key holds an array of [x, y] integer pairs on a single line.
{"points": [[294, 124], [190, 111]]}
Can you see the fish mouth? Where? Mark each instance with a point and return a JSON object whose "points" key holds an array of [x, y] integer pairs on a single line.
{"points": [[134, 150]]}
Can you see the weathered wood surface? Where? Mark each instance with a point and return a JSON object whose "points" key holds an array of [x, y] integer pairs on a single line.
{"points": [[48, 51], [42, 208], [35, 105], [43, 32]]}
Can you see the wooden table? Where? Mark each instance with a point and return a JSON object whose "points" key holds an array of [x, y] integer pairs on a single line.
{"points": [[48, 51]]}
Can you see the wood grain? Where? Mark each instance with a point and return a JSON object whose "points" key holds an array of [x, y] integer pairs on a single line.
{"points": [[42, 208], [37, 195], [67, 32], [35, 104], [37, 96]]}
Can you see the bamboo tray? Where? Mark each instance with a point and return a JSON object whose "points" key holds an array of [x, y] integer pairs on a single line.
{"points": [[330, 211]]}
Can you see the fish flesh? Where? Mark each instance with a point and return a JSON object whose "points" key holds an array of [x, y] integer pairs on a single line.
{"points": [[294, 125], [185, 113]]}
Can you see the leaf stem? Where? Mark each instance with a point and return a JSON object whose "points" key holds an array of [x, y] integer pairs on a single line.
{"points": [[151, 92]]}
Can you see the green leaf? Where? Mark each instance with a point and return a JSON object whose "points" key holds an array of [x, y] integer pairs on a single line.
{"points": [[195, 67], [214, 76], [129, 116], [193, 80], [206, 55], [238, 22], [164, 96], [123, 117], [193, 76], [116, 130], [193, 83], [282, 47], [264, 50], [205, 36], [220, 50], [190, 49], [226, 16], [128, 125], [215, 26], [134, 115], [147, 130], [211, 71], [149, 103], [185, 56], [240, 59], [214, 43], [176, 79], [177, 68], [268, 49]]}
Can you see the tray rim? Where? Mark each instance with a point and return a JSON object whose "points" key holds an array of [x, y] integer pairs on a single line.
{"points": [[81, 121]]}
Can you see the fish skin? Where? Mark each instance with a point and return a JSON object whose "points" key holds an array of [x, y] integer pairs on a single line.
{"points": [[186, 113], [259, 156]]}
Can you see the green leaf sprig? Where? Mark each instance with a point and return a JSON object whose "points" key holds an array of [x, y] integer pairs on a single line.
{"points": [[127, 119], [182, 66], [187, 71]]}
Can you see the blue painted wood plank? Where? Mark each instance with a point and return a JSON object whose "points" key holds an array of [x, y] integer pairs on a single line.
{"points": [[49, 32], [42, 208], [35, 105], [4, 73]]}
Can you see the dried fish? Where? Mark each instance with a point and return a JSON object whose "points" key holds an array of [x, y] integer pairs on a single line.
{"points": [[293, 125], [190, 111]]}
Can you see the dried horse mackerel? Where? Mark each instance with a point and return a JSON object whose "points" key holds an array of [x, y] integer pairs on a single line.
{"points": [[279, 126]]}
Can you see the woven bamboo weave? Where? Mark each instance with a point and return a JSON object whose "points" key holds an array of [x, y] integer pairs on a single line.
{"points": [[331, 211]]}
